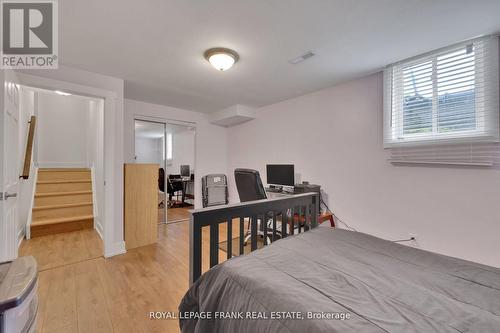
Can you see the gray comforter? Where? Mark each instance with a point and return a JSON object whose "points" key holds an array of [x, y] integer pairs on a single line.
{"points": [[382, 286]]}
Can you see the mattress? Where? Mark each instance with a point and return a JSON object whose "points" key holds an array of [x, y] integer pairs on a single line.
{"points": [[333, 280]]}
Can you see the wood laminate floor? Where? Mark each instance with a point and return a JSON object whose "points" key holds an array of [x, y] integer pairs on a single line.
{"points": [[79, 292], [174, 214], [178, 214], [62, 249]]}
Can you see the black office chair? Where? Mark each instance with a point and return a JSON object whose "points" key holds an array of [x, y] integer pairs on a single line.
{"points": [[161, 184], [174, 188], [249, 185], [250, 188]]}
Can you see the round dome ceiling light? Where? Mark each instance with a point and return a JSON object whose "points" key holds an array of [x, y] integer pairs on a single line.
{"points": [[221, 58]]}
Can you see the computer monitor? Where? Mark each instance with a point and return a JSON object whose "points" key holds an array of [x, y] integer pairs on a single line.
{"points": [[185, 171], [281, 174]]}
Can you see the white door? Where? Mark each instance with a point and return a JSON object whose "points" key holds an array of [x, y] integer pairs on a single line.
{"points": [[9, 169]]}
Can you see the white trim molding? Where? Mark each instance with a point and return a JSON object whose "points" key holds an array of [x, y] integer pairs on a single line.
{"points": [[95, 208], [98, 227], [117, 249], [20, 237]]}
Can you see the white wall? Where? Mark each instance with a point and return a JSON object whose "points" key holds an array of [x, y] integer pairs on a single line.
{"points": [[62, 130], [211, 140], [183, 147], [334, 138]]}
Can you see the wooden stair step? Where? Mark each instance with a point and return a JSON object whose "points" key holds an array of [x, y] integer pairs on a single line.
{"points": [[60, 225], [77, 181], [59, 210], [63, 201], [63, 174], [56, 206], [61, 220], [52, 194], [63, 169], [63, 187], [62, 198]]}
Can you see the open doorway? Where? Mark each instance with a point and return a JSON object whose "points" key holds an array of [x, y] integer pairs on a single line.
{"points": [[61, 204], [172, 147]]}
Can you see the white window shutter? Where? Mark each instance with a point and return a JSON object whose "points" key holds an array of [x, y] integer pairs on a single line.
{"points": [[443, 107]]}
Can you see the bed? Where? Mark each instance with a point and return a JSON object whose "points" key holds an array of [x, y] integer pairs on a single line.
{"points": [[313, 281]]}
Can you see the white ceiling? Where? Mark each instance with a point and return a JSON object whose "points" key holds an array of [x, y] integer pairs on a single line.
{"points": [[157, 45]]}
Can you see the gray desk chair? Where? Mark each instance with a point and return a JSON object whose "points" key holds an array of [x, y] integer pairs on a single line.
{"points": [[214, 190], [250, 188]]}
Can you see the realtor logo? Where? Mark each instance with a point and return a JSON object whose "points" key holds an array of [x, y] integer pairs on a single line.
{"points": [[29, 34]]}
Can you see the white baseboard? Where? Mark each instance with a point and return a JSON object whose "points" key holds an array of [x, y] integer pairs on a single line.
{"points": [[118, 248], [98, 228], [20, 237]]}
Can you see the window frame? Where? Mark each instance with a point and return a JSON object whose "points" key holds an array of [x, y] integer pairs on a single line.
{"points": [[394, 116]]}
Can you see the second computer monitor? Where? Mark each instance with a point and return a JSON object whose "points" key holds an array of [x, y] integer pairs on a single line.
{"points": [[185, 171], [280, 174]]}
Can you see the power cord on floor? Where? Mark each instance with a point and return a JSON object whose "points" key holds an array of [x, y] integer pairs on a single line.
{"points": [[336, 217], [404, 240], [352, 229]]}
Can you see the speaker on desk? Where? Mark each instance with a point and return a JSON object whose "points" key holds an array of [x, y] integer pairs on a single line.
{"points": [[305, 187]]}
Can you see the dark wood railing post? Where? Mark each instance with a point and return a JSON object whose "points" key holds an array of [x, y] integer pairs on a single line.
{"points": [[229, 238], [307, 220], [194, 250], [284, 223], [264, 222], [242, 235], [301, 220], [214, 244], [274, 227], [315, 211], [253, 238]]}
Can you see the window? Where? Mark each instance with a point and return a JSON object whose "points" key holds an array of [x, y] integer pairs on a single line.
{"points": [[446, 96]]}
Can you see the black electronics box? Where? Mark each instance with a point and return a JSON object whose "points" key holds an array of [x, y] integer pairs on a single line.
{"points": [[306, 188]]}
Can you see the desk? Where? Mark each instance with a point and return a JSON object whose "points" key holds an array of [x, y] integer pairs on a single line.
{"points": [[323, 216], [274, 194], [185, 182]]}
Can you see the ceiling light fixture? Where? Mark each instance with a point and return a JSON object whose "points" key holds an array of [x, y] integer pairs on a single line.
{"points": [[221, 58], [62, 93]]}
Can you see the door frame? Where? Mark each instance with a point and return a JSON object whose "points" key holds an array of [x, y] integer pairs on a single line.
{"points": [[113, 240], [165, 153], [9, 229], [167, 121]]}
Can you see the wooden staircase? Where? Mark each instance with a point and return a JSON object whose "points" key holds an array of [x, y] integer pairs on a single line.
{"points": [[63, 201]]}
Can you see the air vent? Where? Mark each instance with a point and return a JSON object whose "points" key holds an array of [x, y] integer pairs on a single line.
{"points": [[301, 58]]}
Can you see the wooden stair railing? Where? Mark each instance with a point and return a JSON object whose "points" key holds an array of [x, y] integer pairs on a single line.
{"points": [[29, 148]]}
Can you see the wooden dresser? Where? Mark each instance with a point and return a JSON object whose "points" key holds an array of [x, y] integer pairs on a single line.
{"points": [[141, 204]]}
